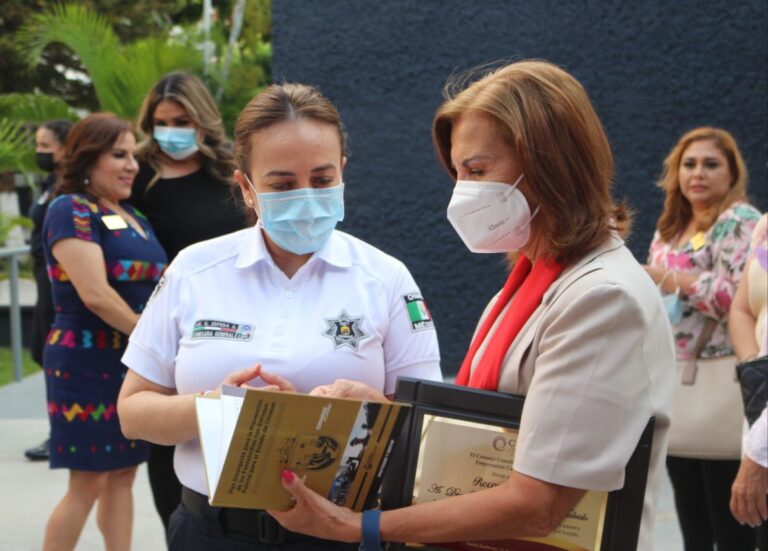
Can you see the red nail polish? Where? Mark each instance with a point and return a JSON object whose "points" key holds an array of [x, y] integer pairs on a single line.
{"points": [[287, 476]]}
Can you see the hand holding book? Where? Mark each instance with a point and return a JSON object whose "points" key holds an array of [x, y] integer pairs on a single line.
{"points": [[312, 514], [249, 436], [343, 388]]}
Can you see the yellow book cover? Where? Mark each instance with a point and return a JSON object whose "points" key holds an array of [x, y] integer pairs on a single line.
{"points": [[340, 446]]}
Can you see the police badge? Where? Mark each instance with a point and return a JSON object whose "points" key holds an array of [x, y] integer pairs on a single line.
{"points": [[345, 330]]}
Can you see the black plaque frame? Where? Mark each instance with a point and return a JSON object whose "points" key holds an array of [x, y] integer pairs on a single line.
{"points": [[621, 526]]}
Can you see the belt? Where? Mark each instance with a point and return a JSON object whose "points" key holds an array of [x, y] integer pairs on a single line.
{"points": [[253, 523]]}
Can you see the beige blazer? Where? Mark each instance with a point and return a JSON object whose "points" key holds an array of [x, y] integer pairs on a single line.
{"points": [[596, 360]]}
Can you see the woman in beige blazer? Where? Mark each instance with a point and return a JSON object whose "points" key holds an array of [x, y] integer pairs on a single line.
{"points": [[579, 327]]}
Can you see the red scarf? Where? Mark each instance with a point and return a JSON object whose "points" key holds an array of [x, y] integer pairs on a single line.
{"points": [[525, 287]]}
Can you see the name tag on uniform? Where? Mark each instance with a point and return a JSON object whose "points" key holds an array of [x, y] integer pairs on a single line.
{"points": [[698, 241], [215, 329], [114, 222]]}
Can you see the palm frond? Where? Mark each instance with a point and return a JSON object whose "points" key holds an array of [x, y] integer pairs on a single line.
{"points": [[16, 148], [90, 36], [152, 57], [34, 108]]}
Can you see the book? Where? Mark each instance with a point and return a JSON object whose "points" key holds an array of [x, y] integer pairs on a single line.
{"points": [[341, 447]]}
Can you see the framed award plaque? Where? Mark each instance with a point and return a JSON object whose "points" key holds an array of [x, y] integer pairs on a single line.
{"points": [[460, 440]]}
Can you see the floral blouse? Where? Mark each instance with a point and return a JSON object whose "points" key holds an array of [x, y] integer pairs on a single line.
{"points": [[758, 281], [717, 257]]}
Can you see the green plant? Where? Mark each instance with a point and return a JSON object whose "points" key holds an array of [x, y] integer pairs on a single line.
{"points": [[249, 74], [121, 73], [17, 113], [7, 223], [34, 108], [14, 146]]}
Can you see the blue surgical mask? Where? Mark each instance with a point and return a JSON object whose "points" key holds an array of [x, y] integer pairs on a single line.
{"points": [[674, 307], [177, 143], [300, 220]]}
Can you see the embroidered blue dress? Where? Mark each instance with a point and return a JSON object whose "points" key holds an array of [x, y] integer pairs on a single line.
{"points": [[82, 353]]}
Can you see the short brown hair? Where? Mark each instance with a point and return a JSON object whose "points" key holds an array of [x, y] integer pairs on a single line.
{"points": [[278, 103], [677, 211], [86, 141], [547, 119]]}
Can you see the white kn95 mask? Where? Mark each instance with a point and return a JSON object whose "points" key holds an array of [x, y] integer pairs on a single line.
{"points": [[490, 217]]}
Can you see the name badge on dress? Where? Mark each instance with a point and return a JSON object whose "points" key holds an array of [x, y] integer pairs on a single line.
{"points": [[698, 241], [114, 222]]}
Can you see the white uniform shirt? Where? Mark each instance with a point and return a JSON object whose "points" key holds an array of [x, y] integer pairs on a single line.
{"points": [[351, 312]]}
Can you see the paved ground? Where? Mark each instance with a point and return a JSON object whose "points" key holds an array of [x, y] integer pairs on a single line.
{"points": [[31, 490]]}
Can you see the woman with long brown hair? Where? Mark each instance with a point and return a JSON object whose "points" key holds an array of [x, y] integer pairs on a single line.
{"points": [[186, 165], [578, 328], [103, 261], [697, 257], [185, 187]]}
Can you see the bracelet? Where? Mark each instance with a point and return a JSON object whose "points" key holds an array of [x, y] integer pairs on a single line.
{"points": [[371, 533]]}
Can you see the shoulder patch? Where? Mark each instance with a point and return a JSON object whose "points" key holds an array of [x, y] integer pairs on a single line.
{"points": [[156, 290], [418, 313]]}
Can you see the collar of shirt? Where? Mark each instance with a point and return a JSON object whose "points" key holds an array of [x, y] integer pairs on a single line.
{"points": [[253, 249]]}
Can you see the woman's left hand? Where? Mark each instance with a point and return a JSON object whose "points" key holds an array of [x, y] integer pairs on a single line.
{"points": [[314, 515], [342, 388], [748, 493]]}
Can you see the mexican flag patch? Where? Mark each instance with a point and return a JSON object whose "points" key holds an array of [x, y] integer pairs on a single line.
{"points": [[418, 313]]}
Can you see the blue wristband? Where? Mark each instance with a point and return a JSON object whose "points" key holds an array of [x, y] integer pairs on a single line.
{"points": [[371, 533]]}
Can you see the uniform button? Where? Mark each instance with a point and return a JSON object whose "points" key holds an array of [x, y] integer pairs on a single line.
{"points": [[285, 314], [289, 294]]}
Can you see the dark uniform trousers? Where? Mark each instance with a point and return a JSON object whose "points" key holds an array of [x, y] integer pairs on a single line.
{"points": [[196, 526]]}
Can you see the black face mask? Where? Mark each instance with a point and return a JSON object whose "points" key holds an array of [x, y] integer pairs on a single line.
{"points": [[45, 161]]}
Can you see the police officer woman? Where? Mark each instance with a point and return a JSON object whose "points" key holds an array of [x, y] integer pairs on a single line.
{"points": [[578, 328], [287, 286]]}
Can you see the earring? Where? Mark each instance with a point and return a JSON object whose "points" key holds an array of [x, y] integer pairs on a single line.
{"points": [[86, 181]]}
